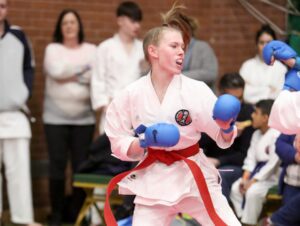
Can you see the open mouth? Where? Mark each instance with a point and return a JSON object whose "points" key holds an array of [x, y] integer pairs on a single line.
{"points": [[179, 62]]}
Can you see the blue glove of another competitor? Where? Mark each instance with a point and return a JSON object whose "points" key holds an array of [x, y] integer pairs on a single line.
{"points": [[292, 80], [278, 49], [227, 107], [158, 135]]}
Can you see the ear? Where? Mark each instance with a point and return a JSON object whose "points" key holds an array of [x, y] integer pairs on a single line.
{"points": [[266, 118], [152, 51]]}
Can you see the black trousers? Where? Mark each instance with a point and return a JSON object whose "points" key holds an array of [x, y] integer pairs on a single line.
{"points": [[64, 142]]}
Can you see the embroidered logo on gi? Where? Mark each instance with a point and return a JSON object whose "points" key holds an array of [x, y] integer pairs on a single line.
{"points": [[183, 117]]}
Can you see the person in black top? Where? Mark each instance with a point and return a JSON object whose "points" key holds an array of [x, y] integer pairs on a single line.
{"points": [[229, 161]]}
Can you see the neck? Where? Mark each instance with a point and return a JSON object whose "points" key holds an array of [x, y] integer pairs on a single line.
{"points": [[126, 39], [160, 81], [1, 28], [264, 129], [71, 43]]}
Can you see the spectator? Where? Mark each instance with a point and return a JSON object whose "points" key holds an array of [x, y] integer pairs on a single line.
{"points": [[231, 158], [16, 74], [262, 81], [289, 184], [260, 166], [200, 61], [68, 116], [119, 59]]}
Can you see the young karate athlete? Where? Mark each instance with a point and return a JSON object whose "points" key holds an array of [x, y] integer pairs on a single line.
{"points": [[168, 111]]}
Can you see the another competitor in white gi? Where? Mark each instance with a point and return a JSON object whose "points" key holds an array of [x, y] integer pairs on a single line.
{"points": [[285, 114], [167, 96]]}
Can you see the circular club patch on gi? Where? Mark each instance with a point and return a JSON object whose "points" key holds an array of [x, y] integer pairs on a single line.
{"points": [[183, 117]]}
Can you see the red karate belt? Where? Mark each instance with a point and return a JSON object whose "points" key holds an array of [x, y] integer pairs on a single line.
{"points": [[167, 157]]}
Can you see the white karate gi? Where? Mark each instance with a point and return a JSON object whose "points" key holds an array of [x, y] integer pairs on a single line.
{"points": [[114, 69], [262, 149], [285, 113], [15, 134], [160, 188]]}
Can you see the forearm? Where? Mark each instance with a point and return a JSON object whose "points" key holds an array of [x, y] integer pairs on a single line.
{"points": [[135, 151]]}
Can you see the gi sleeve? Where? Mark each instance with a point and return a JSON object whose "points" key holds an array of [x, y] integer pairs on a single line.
{"points": [[208, 125], [118, 126], [99, 82], [250, 160], [285, 113]]}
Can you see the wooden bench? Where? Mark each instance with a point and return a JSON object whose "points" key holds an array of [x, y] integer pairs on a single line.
{"points": [[89, 182]]}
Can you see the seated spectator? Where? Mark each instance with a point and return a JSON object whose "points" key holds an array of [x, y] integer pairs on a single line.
{"points": [[231, 158], [260, 167], [200, 61], [289, 184], [262, 81]]}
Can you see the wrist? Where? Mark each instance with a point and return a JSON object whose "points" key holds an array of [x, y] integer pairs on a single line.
{"points": [[297, 63], [229, 130]]}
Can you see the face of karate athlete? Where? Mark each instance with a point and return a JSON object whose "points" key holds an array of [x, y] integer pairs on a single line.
{"points": [[258, 118], [70, 27], [170, 51], [129, 26]]}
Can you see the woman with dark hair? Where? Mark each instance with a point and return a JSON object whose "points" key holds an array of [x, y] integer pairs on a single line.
{"points": [[68, 116], [262, 81]]}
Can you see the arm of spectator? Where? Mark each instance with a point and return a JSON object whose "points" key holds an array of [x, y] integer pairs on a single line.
{"points": [[28, 64], [99, 90], [250, 161], [59, 68]]}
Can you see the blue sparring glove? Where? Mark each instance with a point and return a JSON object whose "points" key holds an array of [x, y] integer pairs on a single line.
{"points": [[227, 107], [278, 49], [158, 135], [292, 80]]}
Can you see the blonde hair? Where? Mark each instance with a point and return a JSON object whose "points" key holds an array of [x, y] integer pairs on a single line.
{"points": [[173, 19]]}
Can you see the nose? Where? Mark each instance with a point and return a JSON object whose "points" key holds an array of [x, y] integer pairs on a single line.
{"points": [[181, 51]]}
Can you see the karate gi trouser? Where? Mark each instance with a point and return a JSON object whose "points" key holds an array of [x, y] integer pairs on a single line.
{"points": [[255, 197], [162, 215], [15, 156]]}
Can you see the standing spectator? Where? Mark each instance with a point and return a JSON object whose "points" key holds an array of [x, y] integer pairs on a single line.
{"points": [[68, 116], [200, 61], [231, 158], [119, 59], [262, 81], [16, 75], [119, 62], [260, 166]]}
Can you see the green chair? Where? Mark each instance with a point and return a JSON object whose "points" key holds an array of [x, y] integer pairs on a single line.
{"points": [[89, 182]]}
